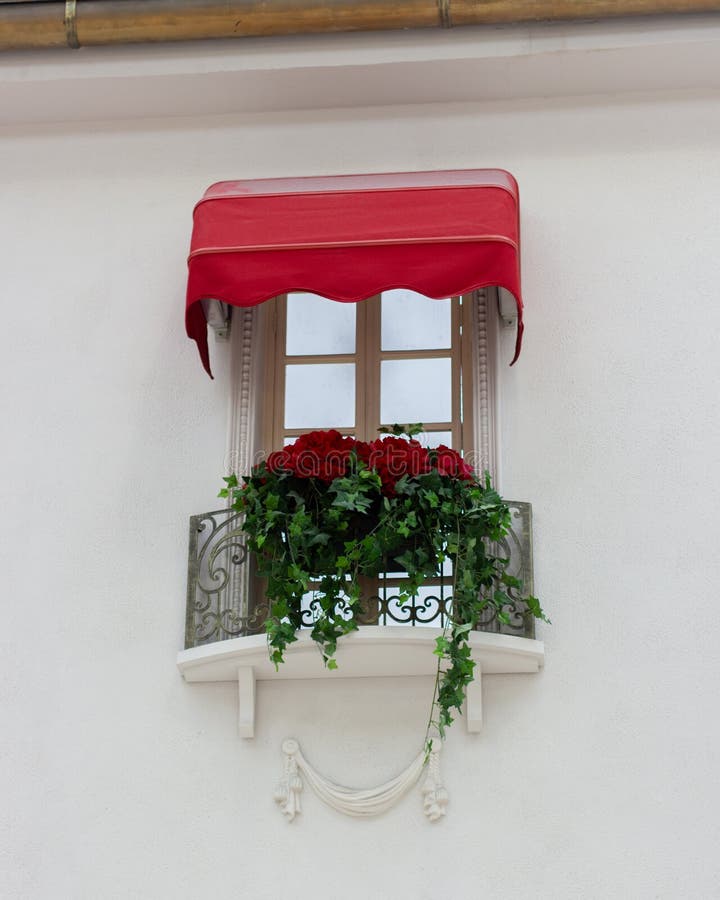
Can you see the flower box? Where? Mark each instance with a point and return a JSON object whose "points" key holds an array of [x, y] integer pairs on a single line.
{"points": [[329, 512]]}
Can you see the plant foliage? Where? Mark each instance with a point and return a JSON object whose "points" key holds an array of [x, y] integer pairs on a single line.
{"points": [[328, 510]]}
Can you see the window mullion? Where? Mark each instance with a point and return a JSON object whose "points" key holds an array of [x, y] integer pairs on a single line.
{"points": [[466, 376], [278, 327], [368, 371], [458, 436]]}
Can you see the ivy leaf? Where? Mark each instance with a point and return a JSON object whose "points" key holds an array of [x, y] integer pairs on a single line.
{"points": [[305, 532], [535, 608], [402, 430]]}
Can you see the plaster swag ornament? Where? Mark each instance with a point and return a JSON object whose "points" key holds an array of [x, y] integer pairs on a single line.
{"points": [[360, 802]]}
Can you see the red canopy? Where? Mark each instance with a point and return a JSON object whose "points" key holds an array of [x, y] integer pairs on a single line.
{"points": [[349, 237]]}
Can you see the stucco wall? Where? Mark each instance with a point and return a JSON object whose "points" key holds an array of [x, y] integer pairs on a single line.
{"points": [[594, 779]]}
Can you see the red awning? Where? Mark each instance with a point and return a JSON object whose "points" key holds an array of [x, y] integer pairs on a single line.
{"points": [[349, 237]]}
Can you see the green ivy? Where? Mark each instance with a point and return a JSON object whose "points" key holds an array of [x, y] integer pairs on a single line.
{"points": [[304, 530]]}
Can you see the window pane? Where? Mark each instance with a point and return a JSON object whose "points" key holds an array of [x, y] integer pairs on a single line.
{"points": [[317, 325], [411, 321], [291, 438], [320, 396], [415, 390], [435, 438]]}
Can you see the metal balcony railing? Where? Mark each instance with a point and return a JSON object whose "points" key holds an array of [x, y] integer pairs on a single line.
{"points": [[225, 598]]}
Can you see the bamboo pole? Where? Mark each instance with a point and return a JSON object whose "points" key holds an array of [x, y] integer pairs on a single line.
{"points": [[34, 25]]}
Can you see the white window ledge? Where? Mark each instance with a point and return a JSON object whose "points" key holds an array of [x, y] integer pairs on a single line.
{"points": [[373, 650]]}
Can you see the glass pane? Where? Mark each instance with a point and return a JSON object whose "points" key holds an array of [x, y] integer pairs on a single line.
{"points": [[435, 438], [415, 390], [316, 325], [291, 438], [411, 321], [320, 395]]}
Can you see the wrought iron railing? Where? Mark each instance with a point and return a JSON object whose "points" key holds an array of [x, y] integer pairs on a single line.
{"points": [[225, 598]]}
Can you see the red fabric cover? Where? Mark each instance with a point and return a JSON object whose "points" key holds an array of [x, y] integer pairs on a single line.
{"points": [[349, 237]]}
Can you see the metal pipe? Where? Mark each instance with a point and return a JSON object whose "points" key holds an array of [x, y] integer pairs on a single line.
{"points": [[36, 24]]}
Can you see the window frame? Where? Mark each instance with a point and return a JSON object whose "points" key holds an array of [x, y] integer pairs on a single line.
{"points": [[367, 357], [252, 409]]}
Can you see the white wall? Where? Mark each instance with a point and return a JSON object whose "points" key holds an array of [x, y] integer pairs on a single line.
{"points": [[594, 779]]}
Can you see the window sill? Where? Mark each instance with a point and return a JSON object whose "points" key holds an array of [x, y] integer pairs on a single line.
{"points": [[373, 650]]}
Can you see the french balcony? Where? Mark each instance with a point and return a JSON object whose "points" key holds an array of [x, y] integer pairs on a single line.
{"points": [[226, 611]]}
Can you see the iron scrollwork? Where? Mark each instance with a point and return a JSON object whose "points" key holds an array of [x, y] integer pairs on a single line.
{"points": [[218, 604], [225, 599]]}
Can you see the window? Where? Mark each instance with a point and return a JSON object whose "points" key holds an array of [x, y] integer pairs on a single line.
{"points": [[302, 362], [397, 357]]}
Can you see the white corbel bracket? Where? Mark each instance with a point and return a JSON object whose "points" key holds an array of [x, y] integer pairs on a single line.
{"points": [[373, 650]]}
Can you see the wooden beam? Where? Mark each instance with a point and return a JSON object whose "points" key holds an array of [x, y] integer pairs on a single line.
{"points": [[34, 25]]}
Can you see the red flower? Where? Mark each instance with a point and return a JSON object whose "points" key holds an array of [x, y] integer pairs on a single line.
{"points": [[393, 457], [278, 462], [327, 455], [449, 462], [318, 454]]}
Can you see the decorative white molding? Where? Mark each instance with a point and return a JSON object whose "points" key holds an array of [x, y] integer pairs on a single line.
{"points": [[485, 381], [359, 802], [240, 444], [435, 797], [287, 794], [372, 651], [242, 400]]}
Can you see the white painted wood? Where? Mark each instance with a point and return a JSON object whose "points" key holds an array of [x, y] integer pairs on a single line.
{"points": [[473, 703], [246, 701], [373, 651]]}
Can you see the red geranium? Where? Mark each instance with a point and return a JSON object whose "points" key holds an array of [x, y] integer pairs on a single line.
{"points": [[449, 462], [327, 455], [318, 454], [393, 457]]}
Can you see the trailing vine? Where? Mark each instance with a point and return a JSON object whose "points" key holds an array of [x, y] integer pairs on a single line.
{"points": [[328, 510]]}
